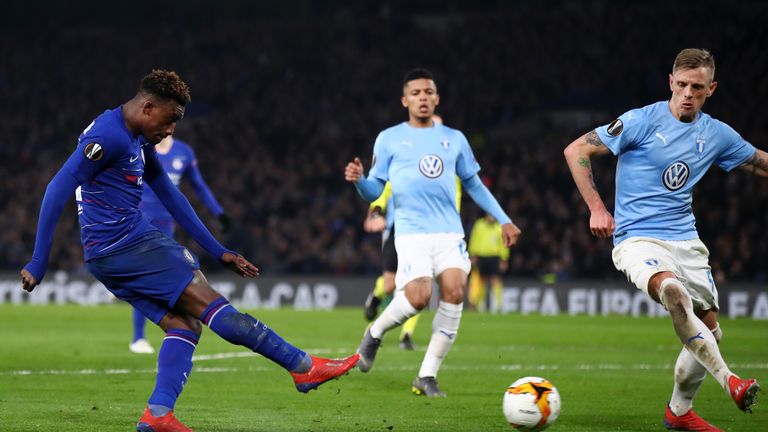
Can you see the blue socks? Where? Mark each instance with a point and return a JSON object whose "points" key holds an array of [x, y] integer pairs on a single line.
{"points": [[138, 325], [245, 330], [174, 363]]}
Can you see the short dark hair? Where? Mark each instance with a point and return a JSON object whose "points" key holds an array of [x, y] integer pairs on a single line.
{"points": [[167, 85], [692, 58], [417, 73]]}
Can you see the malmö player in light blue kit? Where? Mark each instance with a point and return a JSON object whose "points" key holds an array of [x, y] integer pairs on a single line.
{"points": [[664, 149], [421, 160]]}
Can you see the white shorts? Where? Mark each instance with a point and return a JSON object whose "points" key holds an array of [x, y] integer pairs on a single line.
{"points": [[428, 255], [642, 257]]}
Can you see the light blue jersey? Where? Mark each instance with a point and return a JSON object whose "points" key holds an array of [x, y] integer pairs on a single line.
{"points": [[422, 165], [660, 160]]}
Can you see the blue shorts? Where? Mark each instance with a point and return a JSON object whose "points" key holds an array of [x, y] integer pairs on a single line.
{"points": [[150, 275]]}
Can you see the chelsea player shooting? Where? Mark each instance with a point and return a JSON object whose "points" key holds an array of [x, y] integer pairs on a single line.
{"points": [[114, 157]]}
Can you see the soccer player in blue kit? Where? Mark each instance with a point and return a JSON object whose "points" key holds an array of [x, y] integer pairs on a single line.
{"points": [[421, 160], [180, 162], [663, 150], [115, 156]]}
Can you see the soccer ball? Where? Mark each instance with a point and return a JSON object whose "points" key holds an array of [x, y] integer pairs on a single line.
{"points": [[531, 404]]}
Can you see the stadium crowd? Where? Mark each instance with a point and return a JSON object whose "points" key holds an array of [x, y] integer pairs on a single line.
{"points": [[282, 100]]}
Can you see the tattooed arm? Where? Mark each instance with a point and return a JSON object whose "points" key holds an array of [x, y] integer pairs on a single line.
{"points": [[758, 164], [578, 155]]}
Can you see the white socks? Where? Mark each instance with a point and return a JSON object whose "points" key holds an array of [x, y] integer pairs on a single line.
{"points": [[396, 313], [692, 332], [445, 327], [689, 374]]}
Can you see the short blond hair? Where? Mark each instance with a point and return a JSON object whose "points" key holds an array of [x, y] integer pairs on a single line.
{"points": [[692, 58]]}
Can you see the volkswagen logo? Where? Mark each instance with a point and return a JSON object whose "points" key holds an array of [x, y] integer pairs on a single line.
{"points": [[431, 166], [676, 175]]}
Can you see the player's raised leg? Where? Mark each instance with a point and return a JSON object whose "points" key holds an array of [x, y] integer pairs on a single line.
{"points": [[699, 340], [222, 318], [406, 303]]}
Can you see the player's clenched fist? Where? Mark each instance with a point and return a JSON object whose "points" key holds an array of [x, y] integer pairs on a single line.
{"points": [[28, 282], [353, 172]]}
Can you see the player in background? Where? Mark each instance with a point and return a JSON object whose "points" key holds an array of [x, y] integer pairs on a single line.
{"points": [[421, 160], [179, 161], [115, 156], [381, 218], [664, 149], [489, 261]]}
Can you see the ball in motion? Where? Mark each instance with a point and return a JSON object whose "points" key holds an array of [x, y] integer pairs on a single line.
{"points": [[531, 404]]}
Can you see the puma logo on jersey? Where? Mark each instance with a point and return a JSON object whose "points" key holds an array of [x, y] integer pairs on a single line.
{"points": [[663, 138]]}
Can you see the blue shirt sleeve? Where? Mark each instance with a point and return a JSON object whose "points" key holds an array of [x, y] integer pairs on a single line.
{"points": [[369, 188], [178, 206], [201, 188], [381, 160], [736, 151], [88, 159], [483, 197], [623, 133], [466, 165]]}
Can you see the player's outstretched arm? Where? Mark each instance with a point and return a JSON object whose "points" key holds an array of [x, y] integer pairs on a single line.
{"points": [[59, 191], [239, 265], [179, 207], [578, 155], [758, 164], [368, 188]]}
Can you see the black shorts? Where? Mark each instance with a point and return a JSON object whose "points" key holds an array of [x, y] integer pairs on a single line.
{"points": [[488, 266], [389, 253]]}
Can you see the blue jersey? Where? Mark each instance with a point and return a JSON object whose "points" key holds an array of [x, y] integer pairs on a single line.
{"points": [[110, 168], [107, 172], [422, 165], [180, 162], [660, 160]]}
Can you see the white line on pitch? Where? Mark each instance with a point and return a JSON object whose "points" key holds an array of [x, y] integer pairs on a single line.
{"points": [[510, 367]]}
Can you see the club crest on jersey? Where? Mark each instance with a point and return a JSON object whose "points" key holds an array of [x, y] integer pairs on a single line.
{"points": [[431, 166], [700, 141], [676, 175], [652, 262], [93, 151], [445, 144], [615, 127], [177, 163]]}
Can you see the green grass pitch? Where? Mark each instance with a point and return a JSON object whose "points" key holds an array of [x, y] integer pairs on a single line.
{"points": [[67, 368]]}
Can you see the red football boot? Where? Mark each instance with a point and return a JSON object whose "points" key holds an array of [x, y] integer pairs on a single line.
{"points": [[323, 370], [166, 423], [689, 421], [743, 391]]}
